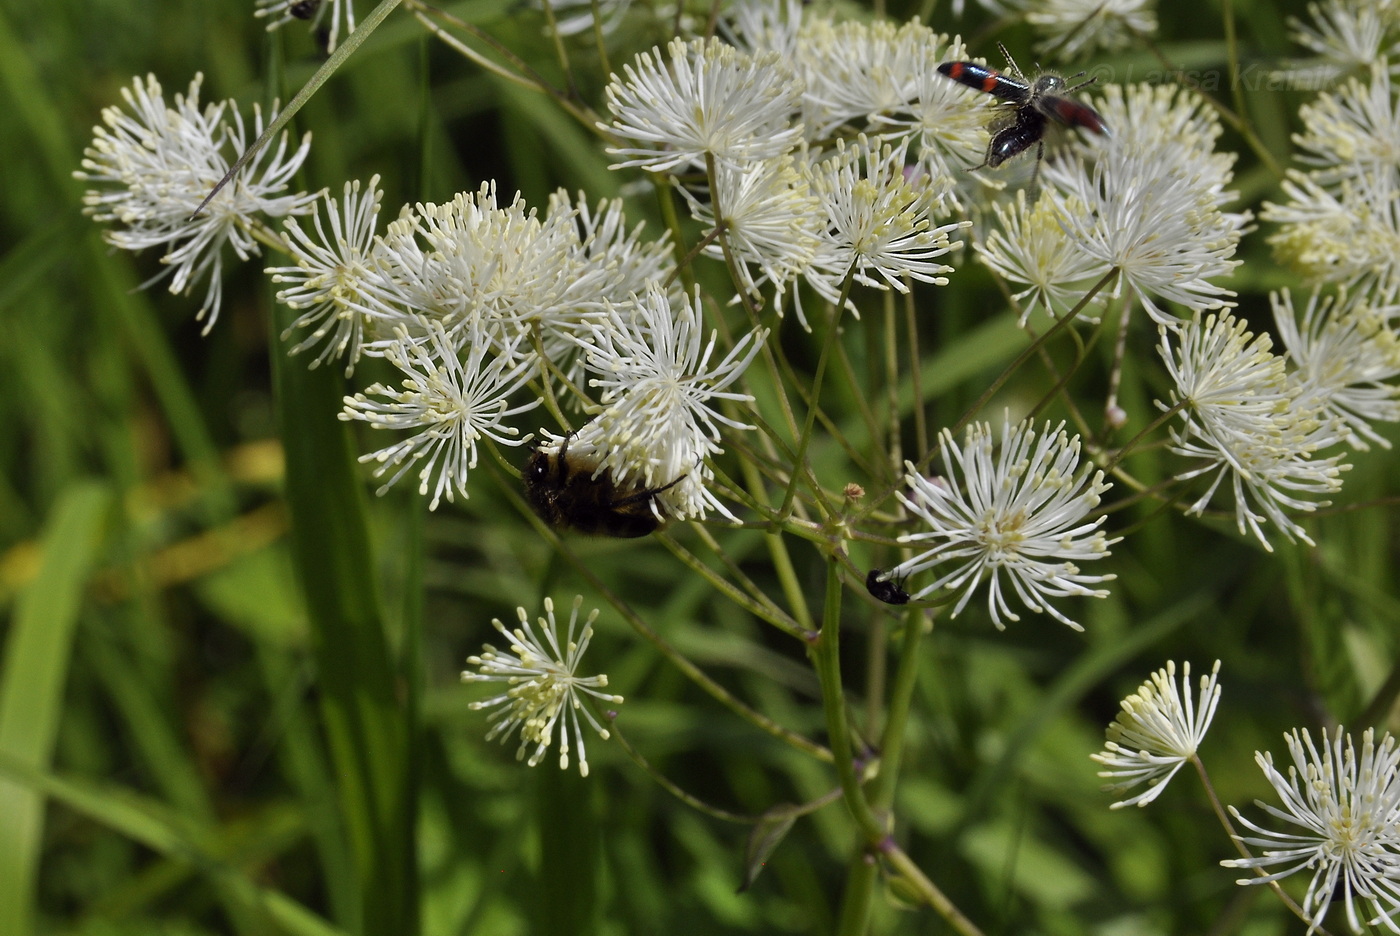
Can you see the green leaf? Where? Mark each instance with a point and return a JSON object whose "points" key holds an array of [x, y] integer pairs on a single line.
{"points": [[366, 720], [765, 837], [37, 653], [157, 827]]}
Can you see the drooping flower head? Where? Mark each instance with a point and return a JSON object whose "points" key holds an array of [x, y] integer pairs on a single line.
{"points": [[1158, 730]]}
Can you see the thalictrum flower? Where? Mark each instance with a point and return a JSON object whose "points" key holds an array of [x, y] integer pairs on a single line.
{"points": [[1339, 814], [452, 395], [657, 419], [1019, 519], [703, 98], [856, 73], [1158, 730], [545, 690], [1243, 419], [1343, 353], [1162, 232], [1348, 36], [337, 277], [879, 226], [157, 164], [1341, 223], [1029, 245], [771, 220]]}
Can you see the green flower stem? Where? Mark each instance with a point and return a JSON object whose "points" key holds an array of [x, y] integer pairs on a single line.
{"points": [[897, 718], [731, 261], [666, 204], [916, 378], [525, 76], [1124, 451], [599, 40], [552, 30], [912, 876], [778, 554], [751, 599], [858, 894], [1244, 851], [832, 336], [700, 805], [1033, 348], [337, 58], [825, 650], [859, 460], [858, 397]]}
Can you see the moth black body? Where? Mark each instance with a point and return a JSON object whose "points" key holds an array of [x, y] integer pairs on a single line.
{"points": [[304, 9], [570, 491], [888, 590], [1030, 107]]}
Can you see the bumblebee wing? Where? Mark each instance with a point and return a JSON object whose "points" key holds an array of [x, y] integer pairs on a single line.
{"points": [[1072, 113]]}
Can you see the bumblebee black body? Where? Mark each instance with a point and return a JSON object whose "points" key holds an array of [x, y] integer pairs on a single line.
{"points": [[572, 492]]}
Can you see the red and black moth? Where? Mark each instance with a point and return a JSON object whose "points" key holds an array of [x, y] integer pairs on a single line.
{"points": [[1030, 106]]}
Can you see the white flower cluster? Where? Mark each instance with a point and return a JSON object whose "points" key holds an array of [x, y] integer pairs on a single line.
{"points": [[1017, 519], [656, 422], [1341, 222], [1158, 730], [1265, 421], [1346, 36], [543, 691], [155, 165], [471, 300], [1145, 205], [767, 121], [1341, 816], [1245, 419], [1339, 812]]}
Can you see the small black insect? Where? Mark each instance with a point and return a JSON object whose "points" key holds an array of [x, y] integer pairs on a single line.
{"points": [[570, 491], [1029, 107], [304, 9], [889, 590]]}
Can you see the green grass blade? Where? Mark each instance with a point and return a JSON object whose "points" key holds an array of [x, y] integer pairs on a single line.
{"points": [[152, 824], [365, 721], [37, 653]]}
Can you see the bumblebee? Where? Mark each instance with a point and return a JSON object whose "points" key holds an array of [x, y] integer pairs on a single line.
{"points": [[570, 491], [889, 590]]}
